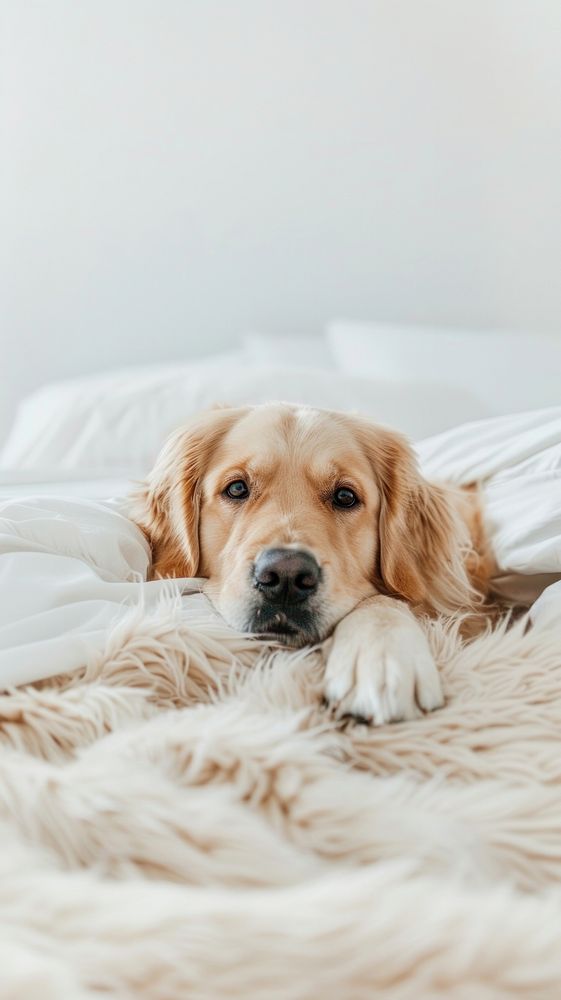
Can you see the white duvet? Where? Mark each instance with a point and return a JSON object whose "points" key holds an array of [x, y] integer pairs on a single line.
{"points": [[70, 567]]}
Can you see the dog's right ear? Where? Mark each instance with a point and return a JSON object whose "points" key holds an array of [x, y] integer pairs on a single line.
{"points": [[167, 506]]}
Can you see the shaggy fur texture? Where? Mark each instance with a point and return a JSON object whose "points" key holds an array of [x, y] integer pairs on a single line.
{"points": [[179, 820]]}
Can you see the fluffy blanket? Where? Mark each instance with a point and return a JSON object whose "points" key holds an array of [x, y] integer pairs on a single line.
{"points": [[179, 818]]}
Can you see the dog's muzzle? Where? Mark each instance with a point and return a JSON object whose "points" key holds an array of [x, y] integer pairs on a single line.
{"points": [[286, 581]]}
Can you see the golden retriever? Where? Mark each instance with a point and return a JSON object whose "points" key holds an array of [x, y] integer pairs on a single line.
{"points": [[309, 525]]}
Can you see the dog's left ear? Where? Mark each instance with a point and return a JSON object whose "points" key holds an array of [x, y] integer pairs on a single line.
{"points": [[423, 540], [167, 506]]}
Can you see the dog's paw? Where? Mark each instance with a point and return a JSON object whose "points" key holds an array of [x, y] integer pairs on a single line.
{"points": [[381, 669]]}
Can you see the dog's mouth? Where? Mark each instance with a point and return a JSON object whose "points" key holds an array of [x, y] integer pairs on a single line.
{"points": [[281, 627]]}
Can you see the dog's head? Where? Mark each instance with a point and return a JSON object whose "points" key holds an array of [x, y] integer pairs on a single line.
{"points": [[295, 515]]}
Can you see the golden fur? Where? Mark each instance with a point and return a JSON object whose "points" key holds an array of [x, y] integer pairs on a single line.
{"points": [[425, 551], [419, 543]]}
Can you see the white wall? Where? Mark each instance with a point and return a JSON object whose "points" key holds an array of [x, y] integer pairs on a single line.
{"points": [[173, 172]]}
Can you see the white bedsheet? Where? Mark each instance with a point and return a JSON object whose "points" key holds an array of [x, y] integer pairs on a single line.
{"points": [[69, 569], [70, 566]]}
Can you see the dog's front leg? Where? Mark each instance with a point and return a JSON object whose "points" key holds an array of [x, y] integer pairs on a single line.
{"points": [[379, 665]]}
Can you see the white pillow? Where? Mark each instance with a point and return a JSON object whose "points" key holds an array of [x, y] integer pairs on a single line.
{"points": [[302, 352], [116, 424], [507, 372], [106, 422]]}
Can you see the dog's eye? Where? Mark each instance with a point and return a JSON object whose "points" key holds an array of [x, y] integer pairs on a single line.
{"points": [[238, 490], [344, 498]]}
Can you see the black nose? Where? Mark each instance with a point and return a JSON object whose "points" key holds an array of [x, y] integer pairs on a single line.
{"points": [[286, 575]]}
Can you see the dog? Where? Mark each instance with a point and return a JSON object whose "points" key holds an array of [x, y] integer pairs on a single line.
{"points": [[315, 526]]}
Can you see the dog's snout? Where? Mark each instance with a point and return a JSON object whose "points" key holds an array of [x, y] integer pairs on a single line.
{"points": [[286, 575]]}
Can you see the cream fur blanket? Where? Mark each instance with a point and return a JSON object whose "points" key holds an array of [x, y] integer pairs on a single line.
{"points": [[179, 821]]}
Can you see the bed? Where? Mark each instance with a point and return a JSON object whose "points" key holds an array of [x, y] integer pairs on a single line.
{"points": [[179, 815]]}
